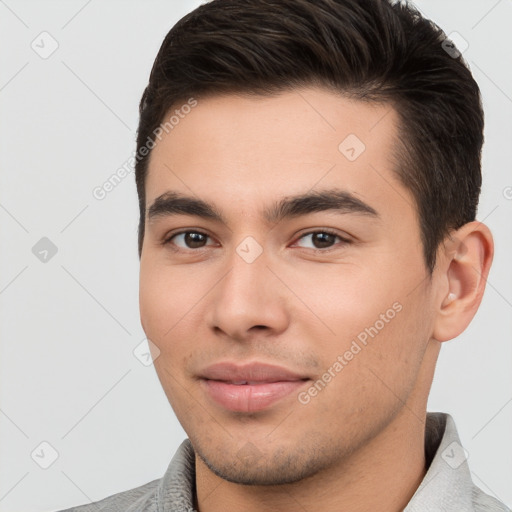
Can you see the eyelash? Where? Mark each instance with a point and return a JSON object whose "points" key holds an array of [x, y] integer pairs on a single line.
{"points": [[344, 241]]}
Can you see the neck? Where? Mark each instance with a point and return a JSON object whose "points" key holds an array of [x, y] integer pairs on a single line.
{"points": [[382, 475]]}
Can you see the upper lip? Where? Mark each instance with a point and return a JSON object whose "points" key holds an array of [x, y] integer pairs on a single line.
{"points": [[252, 372]]}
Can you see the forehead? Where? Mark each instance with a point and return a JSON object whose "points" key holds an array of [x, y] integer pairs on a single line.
{"points": [[244, 149]]}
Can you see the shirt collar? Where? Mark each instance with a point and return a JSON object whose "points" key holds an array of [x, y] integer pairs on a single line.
{"points": [[178, 486], [447, 484]]}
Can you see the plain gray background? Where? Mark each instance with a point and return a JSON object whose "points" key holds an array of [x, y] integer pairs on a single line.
{"points": [[70, 323]]}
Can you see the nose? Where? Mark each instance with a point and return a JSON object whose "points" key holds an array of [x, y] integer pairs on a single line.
{"points": [[249, 301]]}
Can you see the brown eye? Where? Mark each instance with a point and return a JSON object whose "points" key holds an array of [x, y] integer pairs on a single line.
{"points": [[323, 240], [188, 239]]}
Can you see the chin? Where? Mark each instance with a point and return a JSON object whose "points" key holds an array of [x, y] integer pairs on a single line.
{"points": [[270, 469]]}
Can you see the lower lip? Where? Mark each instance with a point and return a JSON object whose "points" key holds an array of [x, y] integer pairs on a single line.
{"points": [[249, 398]]}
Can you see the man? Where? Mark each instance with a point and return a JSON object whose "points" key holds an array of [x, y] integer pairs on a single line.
{"points": [[308, 174]]}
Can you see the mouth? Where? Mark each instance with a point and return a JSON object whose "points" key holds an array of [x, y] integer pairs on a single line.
{"points": [[249, 388]]}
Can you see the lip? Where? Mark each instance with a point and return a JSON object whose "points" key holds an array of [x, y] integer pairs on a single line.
{"points": [[250, 387]]}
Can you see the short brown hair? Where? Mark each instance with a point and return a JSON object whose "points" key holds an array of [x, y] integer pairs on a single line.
{"points": [[371, 50]]}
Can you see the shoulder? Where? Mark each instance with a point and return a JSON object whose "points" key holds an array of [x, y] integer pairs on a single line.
{"points": [[175, 489], [139, 499], [482, 502]]}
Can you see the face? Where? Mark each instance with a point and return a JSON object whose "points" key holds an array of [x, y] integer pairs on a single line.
{"points": [[291, 318]]}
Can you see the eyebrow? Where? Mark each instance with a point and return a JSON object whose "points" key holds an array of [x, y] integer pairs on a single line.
{"points": [[340, 201]]}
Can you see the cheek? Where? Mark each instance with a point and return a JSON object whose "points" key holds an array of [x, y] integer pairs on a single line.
{"points": [[345, 299], [151, 301], [374, 369], [170, 302], [159, 302], [163, 295], [374, 322]]}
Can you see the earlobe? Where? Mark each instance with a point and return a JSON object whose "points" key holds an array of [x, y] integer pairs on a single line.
{"points": [[467, 256]]}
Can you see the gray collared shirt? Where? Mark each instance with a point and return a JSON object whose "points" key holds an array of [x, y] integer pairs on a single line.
{"points": [[447, 486]]}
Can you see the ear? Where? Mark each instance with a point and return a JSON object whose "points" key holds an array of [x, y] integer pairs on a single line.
{"points": [[464, 262]]}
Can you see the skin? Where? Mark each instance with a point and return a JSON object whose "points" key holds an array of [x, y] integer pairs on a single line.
{"points": [[298, 308]]}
